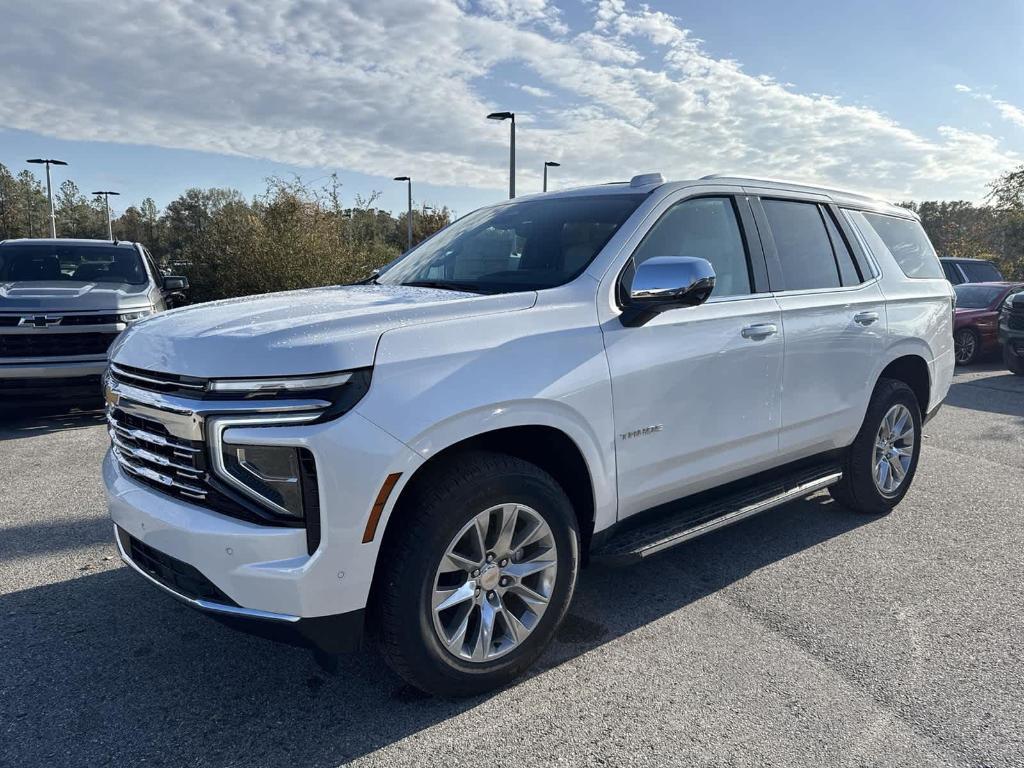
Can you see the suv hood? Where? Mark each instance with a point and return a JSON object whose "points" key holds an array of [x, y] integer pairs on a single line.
{"points": [[296, 332], [71, 296]]}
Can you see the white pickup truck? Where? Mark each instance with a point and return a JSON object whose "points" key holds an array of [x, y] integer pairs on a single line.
{"points": [[602, 373]]}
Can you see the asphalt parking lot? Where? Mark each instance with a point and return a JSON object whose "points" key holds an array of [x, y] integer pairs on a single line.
{"points": [[806, 636]]}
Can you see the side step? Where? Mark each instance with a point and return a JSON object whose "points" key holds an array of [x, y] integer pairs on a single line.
{"points": [[688, 519]]}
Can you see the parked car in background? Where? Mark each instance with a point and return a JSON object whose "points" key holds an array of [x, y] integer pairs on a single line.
{"points": [[959, 270], [62, 303], [600, 373], [1011, 332], [976, 324]]}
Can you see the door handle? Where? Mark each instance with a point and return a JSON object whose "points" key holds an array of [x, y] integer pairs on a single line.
{"points": [[865, 318], [759, 331]]}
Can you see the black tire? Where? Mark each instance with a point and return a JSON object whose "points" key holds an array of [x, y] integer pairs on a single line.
{"points": [[438, 508], [1011, 361], [858, 490], [966, 346]]}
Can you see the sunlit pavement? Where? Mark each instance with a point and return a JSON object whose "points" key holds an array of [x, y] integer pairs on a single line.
{"points": [[807, 636]]}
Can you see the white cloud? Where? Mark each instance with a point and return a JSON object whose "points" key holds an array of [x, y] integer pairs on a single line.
{"points": [[1009, 112], [389, 86], [532, 90]]}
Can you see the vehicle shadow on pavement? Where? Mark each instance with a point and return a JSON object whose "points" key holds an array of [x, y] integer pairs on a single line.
{"points": [[30, 419], [102, 669], [1000, 394]]}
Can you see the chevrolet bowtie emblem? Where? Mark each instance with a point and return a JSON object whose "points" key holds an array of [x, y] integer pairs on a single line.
{"points": [[39, 321]]}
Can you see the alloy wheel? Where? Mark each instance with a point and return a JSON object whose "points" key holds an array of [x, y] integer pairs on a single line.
{"points": [[964, 345], [894, 449], [494, 582]]}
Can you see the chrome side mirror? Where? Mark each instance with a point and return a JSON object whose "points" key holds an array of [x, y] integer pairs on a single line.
{"points": [[666, 282], [175, 283]]}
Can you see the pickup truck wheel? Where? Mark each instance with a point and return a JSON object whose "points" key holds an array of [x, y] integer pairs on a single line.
{"points": [[1012, 361], [966, 345], [880, 465], [480, 576]]}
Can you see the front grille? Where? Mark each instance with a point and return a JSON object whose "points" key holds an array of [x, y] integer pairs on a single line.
{"points": [[147, 451], [54, 344], [1015, 321], [171, 572]]}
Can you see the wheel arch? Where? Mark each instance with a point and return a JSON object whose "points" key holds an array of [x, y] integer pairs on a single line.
{"points": [[550, 448], [912, 369]]}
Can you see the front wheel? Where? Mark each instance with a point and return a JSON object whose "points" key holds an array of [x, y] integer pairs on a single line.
{"points": [[880, 465], [479, 576], [1012, 361]]}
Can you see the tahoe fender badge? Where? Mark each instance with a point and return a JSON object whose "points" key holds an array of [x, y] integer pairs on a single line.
{"points": [[642, 431]]}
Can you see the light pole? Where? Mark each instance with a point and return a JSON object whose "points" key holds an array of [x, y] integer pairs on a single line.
{"points": [[408, 216], [106, 205], [548, 164], [49, 189], [511, 149]]}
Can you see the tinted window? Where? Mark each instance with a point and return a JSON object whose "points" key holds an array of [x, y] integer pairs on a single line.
{"points": [[906, 241], [951, 273], [844, 259], [517, 246], [71, 262], [970, 296], [706, 228], [981, 271], [803, 245]]}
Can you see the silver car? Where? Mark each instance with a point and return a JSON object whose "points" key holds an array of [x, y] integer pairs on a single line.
{"points": [[62, 303]]}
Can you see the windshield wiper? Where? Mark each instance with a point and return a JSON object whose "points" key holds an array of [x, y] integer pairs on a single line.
{"points": [[445, 286]]}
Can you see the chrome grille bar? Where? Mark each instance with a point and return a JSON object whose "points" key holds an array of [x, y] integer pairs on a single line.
{"points": [[158, 477], [142, 454]]}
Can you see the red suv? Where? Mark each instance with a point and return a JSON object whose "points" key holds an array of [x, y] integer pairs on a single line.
{"points": [[975, 330]]}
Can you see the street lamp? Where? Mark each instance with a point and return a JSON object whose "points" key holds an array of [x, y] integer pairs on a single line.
{"points": [[548, 164], [408, 217], [49, 189], [106, 204], [511, 149]]}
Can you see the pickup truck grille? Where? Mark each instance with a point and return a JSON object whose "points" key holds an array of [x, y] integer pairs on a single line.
{"points": [[149, 453], [1015, 321], [54, 344]]}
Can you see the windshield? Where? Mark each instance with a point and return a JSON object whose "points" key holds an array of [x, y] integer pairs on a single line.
{"points": [[71, 262], [976, 296], [519, 246]]}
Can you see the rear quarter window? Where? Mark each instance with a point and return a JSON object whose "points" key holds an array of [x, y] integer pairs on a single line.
{"points": [[905, 239]]}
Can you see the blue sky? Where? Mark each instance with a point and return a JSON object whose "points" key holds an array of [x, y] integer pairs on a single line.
{"points": [[902, 100]]}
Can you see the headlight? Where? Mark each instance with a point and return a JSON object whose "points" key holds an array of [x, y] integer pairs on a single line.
{"points": [[134, 316], [271, 473], [281, 478]]}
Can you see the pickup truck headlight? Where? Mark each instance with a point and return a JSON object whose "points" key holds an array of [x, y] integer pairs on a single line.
{"points": [[338, 392], [134, 316]]}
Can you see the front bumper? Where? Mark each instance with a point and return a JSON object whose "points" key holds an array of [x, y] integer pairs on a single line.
{"points": [[332, 634], [266, 572]]}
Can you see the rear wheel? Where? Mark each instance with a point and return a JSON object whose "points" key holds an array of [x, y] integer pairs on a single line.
{"points": [[1012, 361], [479, 576], [966, 346], [880, 465]]}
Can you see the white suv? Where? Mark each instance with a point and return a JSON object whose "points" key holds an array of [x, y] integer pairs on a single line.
{"points": [[599, 373]]}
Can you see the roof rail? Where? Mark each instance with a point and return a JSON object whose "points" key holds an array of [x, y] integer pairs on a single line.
{"points": [[646, 179]]}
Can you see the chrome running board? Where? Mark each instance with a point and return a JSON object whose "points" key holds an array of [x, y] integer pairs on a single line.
{"points": [[684, 521]]}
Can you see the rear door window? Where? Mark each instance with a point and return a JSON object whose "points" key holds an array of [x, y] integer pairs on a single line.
{"points": [[803, 245], [904, 239], [981, 271]]}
